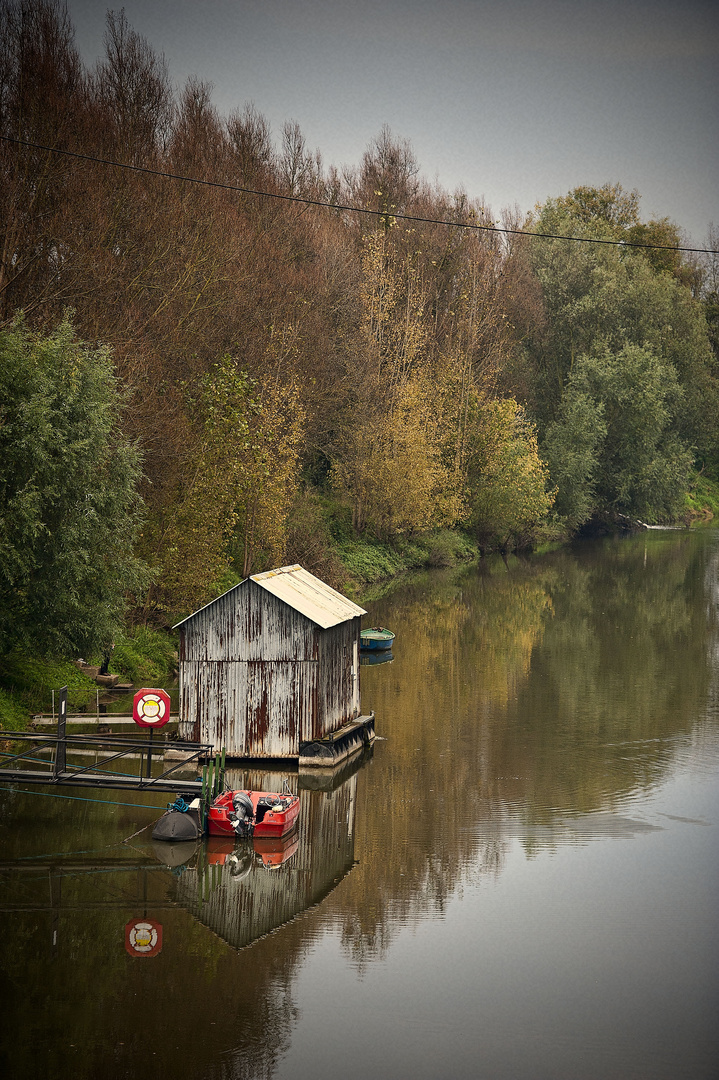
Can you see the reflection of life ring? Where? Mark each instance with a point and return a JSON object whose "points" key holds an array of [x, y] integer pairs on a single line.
{"points": [[151, 708], [143, 938]]}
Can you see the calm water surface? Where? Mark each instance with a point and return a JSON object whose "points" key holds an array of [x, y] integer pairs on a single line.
{"points": [[521, 881]]}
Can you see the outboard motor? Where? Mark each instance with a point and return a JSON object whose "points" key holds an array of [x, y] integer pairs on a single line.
{"points": [[242, 819]]}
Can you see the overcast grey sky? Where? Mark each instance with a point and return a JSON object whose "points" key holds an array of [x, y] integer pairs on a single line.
{"points": [[512, 100]]}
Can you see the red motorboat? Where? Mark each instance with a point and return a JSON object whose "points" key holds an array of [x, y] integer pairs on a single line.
{"points": [[248, 813]]}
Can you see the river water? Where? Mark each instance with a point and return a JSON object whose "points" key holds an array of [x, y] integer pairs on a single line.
{"points": [[519, 881]]}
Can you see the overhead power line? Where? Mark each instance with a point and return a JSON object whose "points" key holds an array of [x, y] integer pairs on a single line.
{"points": [[350, 209]]}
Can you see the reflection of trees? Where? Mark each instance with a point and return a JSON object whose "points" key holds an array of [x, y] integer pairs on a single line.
{"points": [[464, 648], [622, 671], [520, 696], [711, 584]]}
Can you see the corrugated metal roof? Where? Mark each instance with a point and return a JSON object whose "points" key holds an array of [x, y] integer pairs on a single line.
{"points": [[309, 595], [302, 591]]}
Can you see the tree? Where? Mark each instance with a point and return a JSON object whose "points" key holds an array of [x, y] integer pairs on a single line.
{"points": [[620, 313], [388, 456], [709, 298], [69, 509], [387, 179], [133, 93], [572, 448], [508, 483], [42, 87], [614, 447], [599, 293], [608, 207], [392, 466], [266, 485], [239, 479]]}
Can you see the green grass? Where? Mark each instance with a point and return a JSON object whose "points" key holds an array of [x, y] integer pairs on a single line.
{"points": [[369, 561], [13, 714], [144, 657], [446, 547], [26, 685], [702, 499], [366, 560], [141, 656]]}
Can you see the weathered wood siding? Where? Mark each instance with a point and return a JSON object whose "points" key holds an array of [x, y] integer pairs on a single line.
{"points": [[253, 709], [339, 677], [259, 678], [249, 623]]}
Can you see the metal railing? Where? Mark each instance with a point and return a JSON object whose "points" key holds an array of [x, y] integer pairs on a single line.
{"points": [[29, 757]]}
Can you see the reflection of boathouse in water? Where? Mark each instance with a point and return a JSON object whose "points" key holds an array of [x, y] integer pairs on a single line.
{"points": [[270, 669], [241, 896]]}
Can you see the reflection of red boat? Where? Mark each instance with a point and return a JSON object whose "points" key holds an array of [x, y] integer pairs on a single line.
{"points": [[258, 813], [272, 850], [276, 850], [218, 849]]}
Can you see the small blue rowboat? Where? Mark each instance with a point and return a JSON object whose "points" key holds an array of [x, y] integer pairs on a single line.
{"points": [[379, 637]]}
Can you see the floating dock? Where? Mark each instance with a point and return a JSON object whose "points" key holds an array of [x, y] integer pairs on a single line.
{"points": [[337, 746]]}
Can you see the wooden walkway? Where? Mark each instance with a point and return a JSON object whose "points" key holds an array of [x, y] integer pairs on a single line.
{"points": [[27, 757]]}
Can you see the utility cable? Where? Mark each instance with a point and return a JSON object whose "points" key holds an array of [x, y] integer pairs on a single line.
{"points": [[349, 209]]}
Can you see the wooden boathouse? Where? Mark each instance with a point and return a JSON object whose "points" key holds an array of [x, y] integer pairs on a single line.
{"points": [[271, 669]]}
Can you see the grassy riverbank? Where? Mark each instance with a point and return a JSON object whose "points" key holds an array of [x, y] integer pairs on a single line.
{"points": [[142, 656], [26, 685], [367, 562], [148, 657], [356, 565], [702, 499]]}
